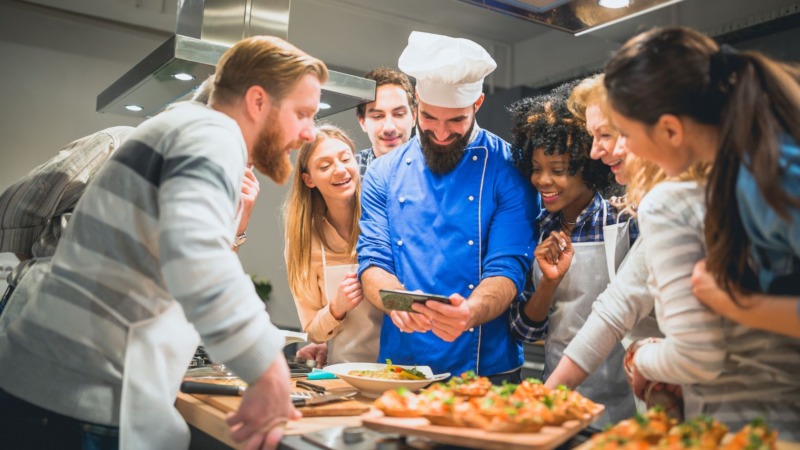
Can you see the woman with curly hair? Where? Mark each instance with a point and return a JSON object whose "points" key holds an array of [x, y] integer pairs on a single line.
{"points": [[569, 267]]}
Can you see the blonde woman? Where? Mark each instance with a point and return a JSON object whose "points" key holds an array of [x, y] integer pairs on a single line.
{"points": [[321, 216], [588, 103]]}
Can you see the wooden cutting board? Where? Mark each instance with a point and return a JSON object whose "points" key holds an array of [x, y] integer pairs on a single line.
{"points": [[780, 445], [548, 437], [359, 405]]}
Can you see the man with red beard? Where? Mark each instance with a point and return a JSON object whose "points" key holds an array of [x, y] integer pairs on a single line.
{"points": [[145, 270], [448, 214]]}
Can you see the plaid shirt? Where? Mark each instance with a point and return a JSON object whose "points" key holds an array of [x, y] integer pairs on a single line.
{"points": [[34, 210], [588, 228], [365, 158]]}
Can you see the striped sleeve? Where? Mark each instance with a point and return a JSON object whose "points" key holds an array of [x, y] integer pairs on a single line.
{"points": [[693, 350], [198, 197], [624, 304], [30, 208]]}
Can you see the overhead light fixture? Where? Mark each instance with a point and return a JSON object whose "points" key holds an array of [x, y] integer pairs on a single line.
{"points": [[133, 108], [183, 76], [323, 105], [614, 4], [205, 30], [576, 16]]}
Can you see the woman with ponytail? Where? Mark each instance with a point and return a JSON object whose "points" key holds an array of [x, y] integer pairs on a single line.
{"points": [[679, 99]]}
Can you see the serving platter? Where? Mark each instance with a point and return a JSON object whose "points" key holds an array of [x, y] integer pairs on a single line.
{"points": [[548, 437]]}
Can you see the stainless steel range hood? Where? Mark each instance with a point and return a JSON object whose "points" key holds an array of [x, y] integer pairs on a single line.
{"points": [[573, 16], [205, 29]]}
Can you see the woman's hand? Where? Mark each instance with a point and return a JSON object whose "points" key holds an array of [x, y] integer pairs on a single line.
{"points": [[554, 255], [706, 289], [317, 352], [247, 198], [638, 381], [348, 296]]}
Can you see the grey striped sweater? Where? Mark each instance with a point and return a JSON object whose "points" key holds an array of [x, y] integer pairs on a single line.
{"points": [[728, 371], [155, 227]]}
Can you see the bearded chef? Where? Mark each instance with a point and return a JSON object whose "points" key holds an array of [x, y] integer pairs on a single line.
{"points": [[448, 214]]}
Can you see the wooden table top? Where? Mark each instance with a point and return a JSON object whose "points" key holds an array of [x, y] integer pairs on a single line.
{"points": [[208, 412]]}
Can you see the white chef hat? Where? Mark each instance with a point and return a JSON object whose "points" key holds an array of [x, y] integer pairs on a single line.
{"points": [[449, 71]]}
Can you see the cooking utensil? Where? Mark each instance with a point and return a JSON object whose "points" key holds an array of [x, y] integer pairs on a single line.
{"points": [[351, 438], [324, 398], [300, 362], [321, 375], [310, 386], [196, 387]]}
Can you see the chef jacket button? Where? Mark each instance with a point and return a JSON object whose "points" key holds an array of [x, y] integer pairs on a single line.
{"points": [[472, 286], [400, 243], [471, 198], [470, 242], [474, 158], [408, 160], [472, 330], [402, 199]]}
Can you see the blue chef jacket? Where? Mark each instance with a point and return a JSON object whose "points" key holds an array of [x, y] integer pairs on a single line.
{"points": [[443, 234]]}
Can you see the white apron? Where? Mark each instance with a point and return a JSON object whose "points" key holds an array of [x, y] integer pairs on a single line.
{"points": [[572, 305], [760, 379], [158, 353], [359, 338], [26, 287], [617, 243]]}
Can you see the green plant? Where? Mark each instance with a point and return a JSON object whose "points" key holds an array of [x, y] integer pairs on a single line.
{"points": [[263, 288]]}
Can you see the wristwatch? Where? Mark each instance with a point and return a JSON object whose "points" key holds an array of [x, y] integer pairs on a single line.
{"points": [[240, 239]]}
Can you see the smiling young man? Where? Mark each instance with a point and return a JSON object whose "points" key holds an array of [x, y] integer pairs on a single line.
{"points": [[389, 120], [448, 214], [145, 270]]}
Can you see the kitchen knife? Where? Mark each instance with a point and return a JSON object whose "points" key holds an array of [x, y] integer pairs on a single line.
{"points": [[324, 398], [195, 387]]}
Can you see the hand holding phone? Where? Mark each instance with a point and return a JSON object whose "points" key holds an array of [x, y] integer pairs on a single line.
{"points": [[399, 300]]}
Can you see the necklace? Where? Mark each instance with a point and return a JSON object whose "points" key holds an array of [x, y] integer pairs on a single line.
{"points": [[567, 224]]}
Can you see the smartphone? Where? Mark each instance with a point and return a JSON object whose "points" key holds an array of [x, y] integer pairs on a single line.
{"points": [[402, 300]]}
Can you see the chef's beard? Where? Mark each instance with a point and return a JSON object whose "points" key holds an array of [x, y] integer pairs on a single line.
{"points": [[269, 157], [442, 159]]}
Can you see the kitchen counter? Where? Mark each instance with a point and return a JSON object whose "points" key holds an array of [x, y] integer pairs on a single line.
{"points": [[210, 419]]}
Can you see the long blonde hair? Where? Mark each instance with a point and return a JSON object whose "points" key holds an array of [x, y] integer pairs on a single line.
{"points": [[305, 208], [645, 175]]}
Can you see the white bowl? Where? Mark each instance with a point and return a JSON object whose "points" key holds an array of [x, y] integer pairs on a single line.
{"points": [[375, 387]]}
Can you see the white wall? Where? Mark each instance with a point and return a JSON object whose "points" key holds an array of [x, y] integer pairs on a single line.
{"points": [[53, 65]]}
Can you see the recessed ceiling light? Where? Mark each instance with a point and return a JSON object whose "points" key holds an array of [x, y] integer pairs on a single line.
{"points": [[134, 108], [323, 105], [183, 76], [614, 4]]}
